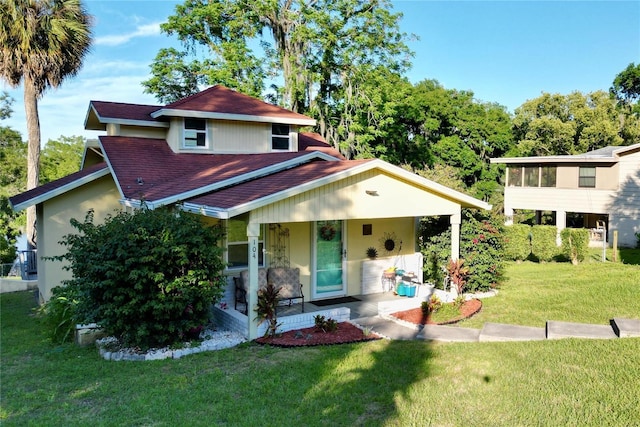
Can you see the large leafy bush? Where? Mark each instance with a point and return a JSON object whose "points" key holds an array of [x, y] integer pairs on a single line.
{"points": [[149, 277], [481, 246]]}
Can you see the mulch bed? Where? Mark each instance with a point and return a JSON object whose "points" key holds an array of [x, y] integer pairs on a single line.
{"points": [[415, 315], [346, 333]]}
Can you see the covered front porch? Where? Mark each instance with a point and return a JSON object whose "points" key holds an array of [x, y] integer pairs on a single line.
{"points": [[324, 227], [292, 318]]}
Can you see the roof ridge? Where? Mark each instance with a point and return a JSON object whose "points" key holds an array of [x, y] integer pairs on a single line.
{"points": [[197, 95]]}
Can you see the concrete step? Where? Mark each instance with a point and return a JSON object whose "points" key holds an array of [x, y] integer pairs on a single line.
{"points": [[448, 334], [626, 328], [557, 330], [387, 328], [502, 332]]}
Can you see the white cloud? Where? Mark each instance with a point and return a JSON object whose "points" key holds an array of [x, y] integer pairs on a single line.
{"points": [[146, 30]]}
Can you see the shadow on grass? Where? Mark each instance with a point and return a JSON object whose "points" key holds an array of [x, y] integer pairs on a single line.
{"points": [[369, 383], [630, 256]]}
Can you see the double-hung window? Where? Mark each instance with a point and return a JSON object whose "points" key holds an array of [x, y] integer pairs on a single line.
{"points": [[238, 244], [280, 137], [587, 177], [195, 133]]}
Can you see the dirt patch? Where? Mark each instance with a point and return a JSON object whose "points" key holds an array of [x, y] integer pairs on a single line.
{"points": [[415, 315], [346, 333]]}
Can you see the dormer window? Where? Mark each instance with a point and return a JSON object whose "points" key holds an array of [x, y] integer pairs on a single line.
{"points": [[280, 137], [195, 133]]}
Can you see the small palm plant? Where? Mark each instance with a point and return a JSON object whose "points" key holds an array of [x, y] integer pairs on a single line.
{"points": [[458, 274], [266, 308]]}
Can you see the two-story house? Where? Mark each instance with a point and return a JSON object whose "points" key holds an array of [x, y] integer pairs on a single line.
{"points": [[596, 190], [235, 159]]}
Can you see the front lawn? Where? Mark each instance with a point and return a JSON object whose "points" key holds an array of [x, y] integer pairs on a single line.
{"points": [[381, 383], [591, 292]]}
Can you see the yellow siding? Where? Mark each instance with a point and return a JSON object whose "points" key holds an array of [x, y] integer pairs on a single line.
{"points": [[347, 199], [240, 137], [402, 228], [143, 132], [54, 215]]}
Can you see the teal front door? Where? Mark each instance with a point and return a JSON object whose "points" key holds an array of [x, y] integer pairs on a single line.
{"points": [[328, 274]]}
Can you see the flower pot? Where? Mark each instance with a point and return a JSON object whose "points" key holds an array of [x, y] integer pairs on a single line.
{"points": [[410, 290], [401, 289]]}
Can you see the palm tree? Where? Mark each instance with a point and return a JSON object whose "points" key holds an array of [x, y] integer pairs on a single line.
{"points": [[41, 43]]}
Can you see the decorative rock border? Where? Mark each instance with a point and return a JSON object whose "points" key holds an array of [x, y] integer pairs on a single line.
{"points": [[212, 340]]}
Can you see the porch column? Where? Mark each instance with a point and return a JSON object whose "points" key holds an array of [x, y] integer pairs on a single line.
{"points": [[561, 224], [455, 220], [253, 234]]}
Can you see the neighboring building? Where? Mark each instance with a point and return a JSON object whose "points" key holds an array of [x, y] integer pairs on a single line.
{"points": [[232, 158], [595, 190]]}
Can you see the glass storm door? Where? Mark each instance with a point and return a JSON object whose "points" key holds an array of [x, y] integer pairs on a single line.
{"points": [[329, 257]]}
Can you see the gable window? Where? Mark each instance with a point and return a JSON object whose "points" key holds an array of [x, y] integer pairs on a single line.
{"points": [[238, 244], [587, 177], [195, 133], [279, 136], [548, 178]]}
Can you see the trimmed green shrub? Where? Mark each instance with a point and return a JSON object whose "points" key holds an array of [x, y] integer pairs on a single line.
{"points": [[517, 242], [575, 244], [543, 242], [147, 278]]}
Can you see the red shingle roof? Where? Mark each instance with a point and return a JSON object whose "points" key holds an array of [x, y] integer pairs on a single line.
{"points": [[54, 185], [219, 99], [164, 173], [274, 183], [121, 110], [310, 141]]}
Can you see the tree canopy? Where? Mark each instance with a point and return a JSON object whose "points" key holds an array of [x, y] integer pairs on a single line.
{"points": [[570, 124], [315, 55], [41, 43], [626, 86]]}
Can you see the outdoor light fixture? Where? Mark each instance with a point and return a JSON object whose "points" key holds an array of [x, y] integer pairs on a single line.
{"points": [[139, 181], [371, 192]]}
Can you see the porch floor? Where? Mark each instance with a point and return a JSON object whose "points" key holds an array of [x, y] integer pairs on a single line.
{"points": [[366, 307]]}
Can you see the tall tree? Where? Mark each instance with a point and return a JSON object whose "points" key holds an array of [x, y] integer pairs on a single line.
{"points": [[13, 173], [61, 157], [626, 86], [318, 51], [41, 43], [568, 124]]}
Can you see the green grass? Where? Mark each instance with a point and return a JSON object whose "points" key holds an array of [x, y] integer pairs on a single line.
{"points": [[591, 292], [381, 383]]}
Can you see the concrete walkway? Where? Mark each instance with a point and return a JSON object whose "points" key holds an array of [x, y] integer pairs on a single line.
{"points": [[398, 330]]}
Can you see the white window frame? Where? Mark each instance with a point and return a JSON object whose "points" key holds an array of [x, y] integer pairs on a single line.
{"points": [[582, 176], [196, 133], [280, 136]]}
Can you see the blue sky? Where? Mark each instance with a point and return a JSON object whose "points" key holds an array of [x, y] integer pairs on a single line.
{"points": [[504, 51]]}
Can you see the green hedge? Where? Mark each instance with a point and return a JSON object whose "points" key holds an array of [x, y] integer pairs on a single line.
{"points": [[575, 243], [543, 242], [517, 242]]}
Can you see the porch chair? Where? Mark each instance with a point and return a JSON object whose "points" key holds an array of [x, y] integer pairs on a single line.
{"points": [[288, 281]]}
